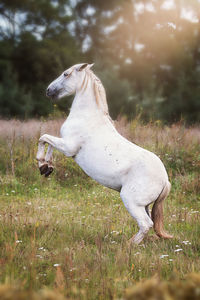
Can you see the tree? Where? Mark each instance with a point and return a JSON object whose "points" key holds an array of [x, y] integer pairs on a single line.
{"points": [[35, 45], [154, 45]]}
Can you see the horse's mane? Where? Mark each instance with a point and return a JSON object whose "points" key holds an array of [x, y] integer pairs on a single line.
{"points": [[99, 92]]}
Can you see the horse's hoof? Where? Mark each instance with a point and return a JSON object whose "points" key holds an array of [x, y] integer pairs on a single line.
{"points": [[43, 169], [49, 171]]}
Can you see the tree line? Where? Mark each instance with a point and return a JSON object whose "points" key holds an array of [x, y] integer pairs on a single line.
{"points": [[147, 54]]}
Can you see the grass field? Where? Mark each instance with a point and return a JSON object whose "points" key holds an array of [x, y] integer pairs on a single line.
{"points": [[69, 234]]}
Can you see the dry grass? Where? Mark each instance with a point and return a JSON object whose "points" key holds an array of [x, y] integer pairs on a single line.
{"points": [[69, 234], [28, 129]]}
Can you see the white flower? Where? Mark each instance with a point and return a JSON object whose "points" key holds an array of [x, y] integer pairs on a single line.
{"points": [[186, 242], [56, 265], [178, 250], [18, 241], [164, 255]]}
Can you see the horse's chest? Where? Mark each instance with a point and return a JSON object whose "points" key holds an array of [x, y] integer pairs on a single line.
{"points": [[70, 129]]}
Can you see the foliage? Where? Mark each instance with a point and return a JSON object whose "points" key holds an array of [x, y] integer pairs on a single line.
{"points": [[148, 52], [13, 100], [69, 234], [35, 47]]}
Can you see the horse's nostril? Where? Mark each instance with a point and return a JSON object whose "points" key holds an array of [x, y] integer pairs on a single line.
{"points": [[47, 91]]}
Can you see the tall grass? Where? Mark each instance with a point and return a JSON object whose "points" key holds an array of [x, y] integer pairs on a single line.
{"points": [[70, 234]]}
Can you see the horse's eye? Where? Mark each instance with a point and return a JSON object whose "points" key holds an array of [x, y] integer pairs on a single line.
{"points": [[66, 74]]}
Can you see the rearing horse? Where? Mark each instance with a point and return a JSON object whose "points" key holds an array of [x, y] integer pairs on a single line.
{"points": [[90, 138]]}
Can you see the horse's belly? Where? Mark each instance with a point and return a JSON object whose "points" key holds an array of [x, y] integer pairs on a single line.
{"points": [[102, 167]]}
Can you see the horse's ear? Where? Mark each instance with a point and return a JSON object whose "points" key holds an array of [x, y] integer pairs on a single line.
{"points": [[82, 67], [90, 66]]}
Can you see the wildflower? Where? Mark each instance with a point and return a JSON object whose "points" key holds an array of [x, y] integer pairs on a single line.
{"points": [[178, 250], [73, 269], [42, 249], [115, 232], [18, 241], [12, 191], [186, 242], [56, 265], [164, 255]]}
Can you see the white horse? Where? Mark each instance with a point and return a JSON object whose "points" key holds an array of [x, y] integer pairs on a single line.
{"points": [[90, 138]]}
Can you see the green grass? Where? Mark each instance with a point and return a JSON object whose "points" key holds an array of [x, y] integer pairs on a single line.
{"points": [[70, 234]]}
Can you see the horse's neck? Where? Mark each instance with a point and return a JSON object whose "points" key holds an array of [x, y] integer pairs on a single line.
{"points": [[89, 107], [85, 102]]}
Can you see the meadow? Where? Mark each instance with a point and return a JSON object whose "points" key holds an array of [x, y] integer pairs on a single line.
{"points": [[69, 235]]}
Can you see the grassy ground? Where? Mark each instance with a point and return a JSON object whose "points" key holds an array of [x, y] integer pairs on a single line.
{"points": [[70, 234]]}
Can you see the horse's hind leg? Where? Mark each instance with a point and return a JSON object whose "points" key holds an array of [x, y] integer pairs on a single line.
{"points": [[138, 212]]}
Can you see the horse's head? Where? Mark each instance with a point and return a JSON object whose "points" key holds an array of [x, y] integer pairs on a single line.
{"points": [[68, 82]]}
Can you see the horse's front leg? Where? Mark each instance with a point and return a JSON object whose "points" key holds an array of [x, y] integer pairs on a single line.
{"points": [[45, 162], [46, 166]]}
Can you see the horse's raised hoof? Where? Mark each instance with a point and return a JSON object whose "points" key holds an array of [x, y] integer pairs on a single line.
{"points": [[43, 169], [49, 171]]}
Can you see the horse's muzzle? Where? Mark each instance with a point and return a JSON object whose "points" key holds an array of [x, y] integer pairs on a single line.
{"points": [[52, 93]]}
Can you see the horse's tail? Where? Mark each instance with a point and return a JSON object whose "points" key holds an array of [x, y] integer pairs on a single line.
{"points": [[157, 213]]}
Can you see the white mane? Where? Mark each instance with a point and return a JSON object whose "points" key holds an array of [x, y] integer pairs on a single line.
{"points": [[99, 91]]}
